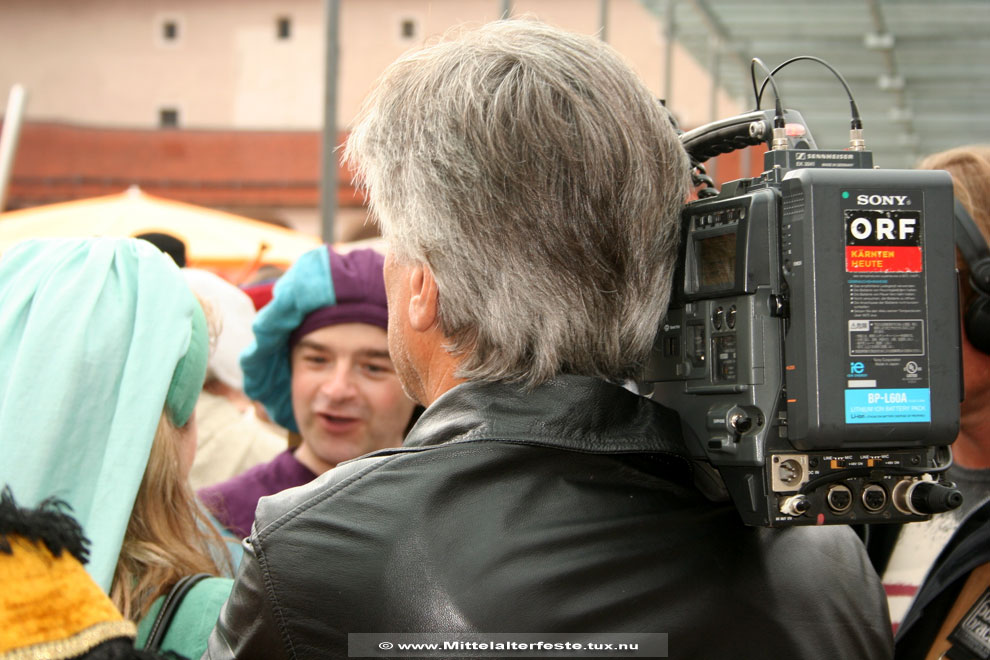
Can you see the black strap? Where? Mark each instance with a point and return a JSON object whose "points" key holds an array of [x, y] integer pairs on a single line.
{"points": [[169, 608]]}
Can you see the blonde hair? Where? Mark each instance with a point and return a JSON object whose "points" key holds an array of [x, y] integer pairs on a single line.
{"points": [[168, 535], [970, 170]]}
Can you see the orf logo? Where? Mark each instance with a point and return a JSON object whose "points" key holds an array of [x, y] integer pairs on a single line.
{"points": [[884, 230]]}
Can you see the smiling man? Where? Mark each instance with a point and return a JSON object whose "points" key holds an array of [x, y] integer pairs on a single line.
{"points": [[321, 367]]}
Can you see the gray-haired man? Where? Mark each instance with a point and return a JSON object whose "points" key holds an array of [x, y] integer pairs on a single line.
{"points": [[528, 186]]}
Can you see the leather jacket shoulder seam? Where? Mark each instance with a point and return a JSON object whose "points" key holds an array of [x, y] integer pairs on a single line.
{"points": [[319, 496], [283, 629], [476, 437], [261, 555]]}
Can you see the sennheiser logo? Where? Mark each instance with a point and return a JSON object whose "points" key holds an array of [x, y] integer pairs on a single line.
{"points": [[821, 155], [883, 200]]}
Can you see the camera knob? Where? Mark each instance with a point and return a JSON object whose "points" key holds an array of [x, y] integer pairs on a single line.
{"points": [[740, 422], [795, 505]]}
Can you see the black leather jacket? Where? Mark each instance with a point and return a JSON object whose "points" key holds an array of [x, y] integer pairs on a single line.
{"points": [[968, 549], [564, 509]]}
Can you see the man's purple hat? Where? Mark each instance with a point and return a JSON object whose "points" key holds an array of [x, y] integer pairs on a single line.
{"points": [[359, 288]]}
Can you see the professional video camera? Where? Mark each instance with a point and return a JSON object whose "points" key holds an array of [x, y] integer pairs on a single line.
{"points": [[812, 342]]}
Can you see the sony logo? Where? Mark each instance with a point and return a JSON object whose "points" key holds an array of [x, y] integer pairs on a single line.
{"points": [[883, 200]]}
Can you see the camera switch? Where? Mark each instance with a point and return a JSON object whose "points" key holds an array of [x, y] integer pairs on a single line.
{"points": [[717, 316]]}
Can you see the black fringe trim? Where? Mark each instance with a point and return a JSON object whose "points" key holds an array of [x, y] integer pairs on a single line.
{"points": [[49, 523], [123, 649]]}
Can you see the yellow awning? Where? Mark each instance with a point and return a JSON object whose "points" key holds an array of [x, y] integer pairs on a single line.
{"points": [[214, 240]]}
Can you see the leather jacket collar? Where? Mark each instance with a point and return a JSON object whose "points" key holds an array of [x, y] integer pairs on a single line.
{"points": [[576, 413]]}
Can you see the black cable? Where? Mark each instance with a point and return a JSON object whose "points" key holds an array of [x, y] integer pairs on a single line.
{"points": [[699, 177], [855, 123], [778, 120]]}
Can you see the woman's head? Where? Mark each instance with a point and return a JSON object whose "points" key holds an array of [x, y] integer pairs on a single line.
{"points": [[970, 170], [99, 338]]}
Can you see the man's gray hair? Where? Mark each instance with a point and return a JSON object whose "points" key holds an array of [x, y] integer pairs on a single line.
{"points": [[541, 182]]}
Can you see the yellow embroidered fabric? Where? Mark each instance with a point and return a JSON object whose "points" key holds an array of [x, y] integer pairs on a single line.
{"points": [[50, 607]]}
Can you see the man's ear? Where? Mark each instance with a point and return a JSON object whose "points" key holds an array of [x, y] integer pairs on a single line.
{"points": [[423, 297]]}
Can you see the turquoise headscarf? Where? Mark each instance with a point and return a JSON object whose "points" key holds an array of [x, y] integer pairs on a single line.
{"points": [[96, 335]]}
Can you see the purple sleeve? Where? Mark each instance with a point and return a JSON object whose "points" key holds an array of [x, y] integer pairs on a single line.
{"points": [[234, 501]]}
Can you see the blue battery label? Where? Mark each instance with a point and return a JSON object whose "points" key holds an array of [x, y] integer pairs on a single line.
{"points": [[866, 406]]}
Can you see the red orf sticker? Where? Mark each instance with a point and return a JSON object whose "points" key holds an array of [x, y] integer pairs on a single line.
{"points": [[883, 259]]}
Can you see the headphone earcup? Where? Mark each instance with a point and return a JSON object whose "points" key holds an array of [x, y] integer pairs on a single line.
{"points": [[975, 251], [977, 322]]}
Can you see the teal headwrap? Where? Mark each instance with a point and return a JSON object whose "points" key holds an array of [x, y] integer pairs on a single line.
{"points": [[97, 337]]}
